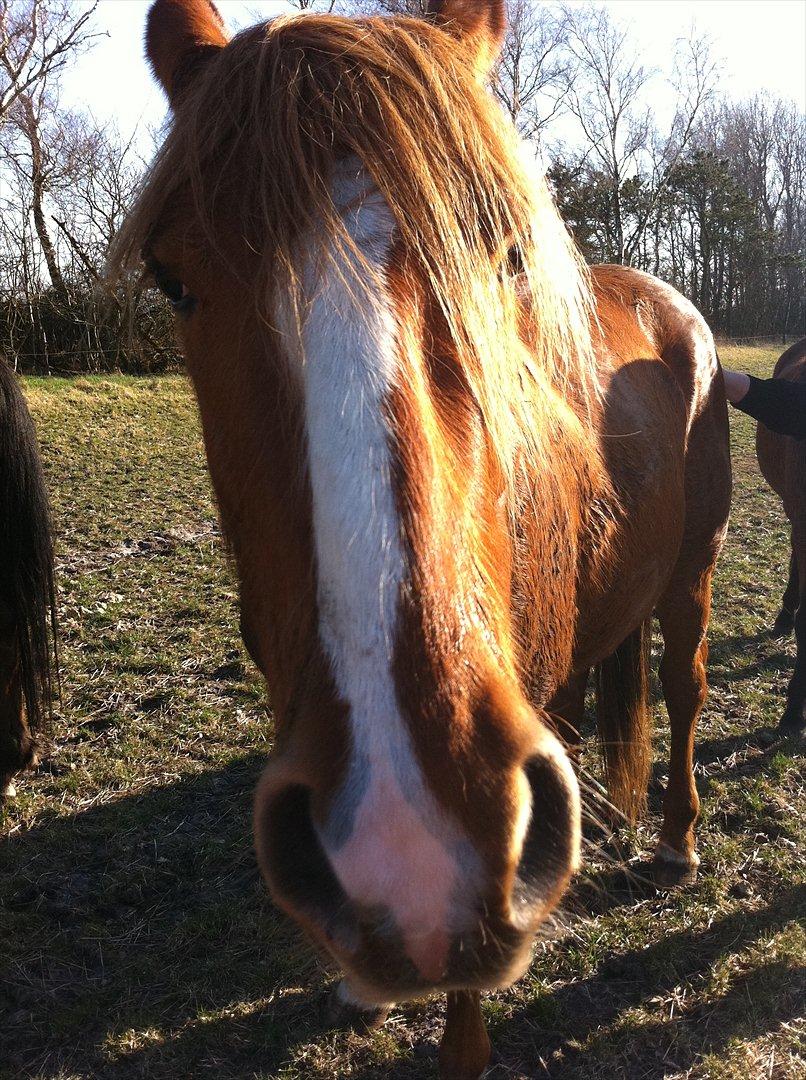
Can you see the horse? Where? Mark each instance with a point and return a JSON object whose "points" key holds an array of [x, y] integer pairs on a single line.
{"points": [[456, 470], [27, 591], [782, 461]]}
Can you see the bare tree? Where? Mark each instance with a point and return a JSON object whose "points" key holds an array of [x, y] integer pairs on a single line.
{"points": [[314, 5], [608, 97], [415, 8], [34, 146], [534, 74], [763, 140], [694, 82], [66, 183], [37, 39], [605, 98]]}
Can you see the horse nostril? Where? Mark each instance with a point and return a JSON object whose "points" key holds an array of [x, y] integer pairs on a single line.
{"points": [[296, 866], [550, 849]]}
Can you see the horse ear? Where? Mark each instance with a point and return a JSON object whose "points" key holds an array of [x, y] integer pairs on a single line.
{"points": [[481, 24], [181, 35]]}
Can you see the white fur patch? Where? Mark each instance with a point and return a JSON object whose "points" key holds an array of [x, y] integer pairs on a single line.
{"points": [[348, 995], [387, 841], [665, 853]]}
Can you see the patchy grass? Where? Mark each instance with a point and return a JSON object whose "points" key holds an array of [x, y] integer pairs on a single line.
{"points": [[136, 939]]}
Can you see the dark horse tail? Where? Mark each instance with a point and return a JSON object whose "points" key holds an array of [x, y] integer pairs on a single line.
{"points": [[624, 721], [26, 550]]}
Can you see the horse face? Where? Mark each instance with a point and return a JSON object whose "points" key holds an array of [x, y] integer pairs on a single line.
{"points": [[417, 818]]}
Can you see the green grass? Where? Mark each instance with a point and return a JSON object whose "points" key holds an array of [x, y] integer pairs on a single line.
{"points": [[136, 939]]}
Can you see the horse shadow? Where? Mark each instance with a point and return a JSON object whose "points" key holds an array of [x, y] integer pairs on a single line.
{"points": [[144, 915], [147, 915]]}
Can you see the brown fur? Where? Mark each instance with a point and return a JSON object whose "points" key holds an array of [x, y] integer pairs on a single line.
{"points": [[782, 461], [186, 37], [560, 449]]}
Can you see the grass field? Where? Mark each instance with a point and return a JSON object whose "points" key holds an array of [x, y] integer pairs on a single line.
{"points": [[136, 939]]}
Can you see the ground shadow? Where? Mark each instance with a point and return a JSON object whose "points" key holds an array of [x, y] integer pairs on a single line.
{"points": [[632, 978], [145, 914]]}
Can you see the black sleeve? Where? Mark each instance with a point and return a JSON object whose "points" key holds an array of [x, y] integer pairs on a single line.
{"points": [[778, 404]]}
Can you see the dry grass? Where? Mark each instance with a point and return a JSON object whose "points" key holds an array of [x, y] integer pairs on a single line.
{"points": [[136, 938]]}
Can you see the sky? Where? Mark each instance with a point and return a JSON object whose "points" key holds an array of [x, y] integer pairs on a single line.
{"points": [[762, 44]]}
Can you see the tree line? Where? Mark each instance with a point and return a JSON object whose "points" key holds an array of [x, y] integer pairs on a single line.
{"points": [[709, 194], [66, 183]]}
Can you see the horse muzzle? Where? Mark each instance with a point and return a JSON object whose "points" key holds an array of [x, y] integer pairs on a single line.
{"points": [[482, 941]]}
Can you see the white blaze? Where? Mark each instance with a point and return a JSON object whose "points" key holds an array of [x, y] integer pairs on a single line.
{"points": [[389, 844]]}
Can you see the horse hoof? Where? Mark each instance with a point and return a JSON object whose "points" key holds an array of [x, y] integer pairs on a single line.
{"points": [[449, 1072], [791, 727], [7, 790], [341, 1011], [671, 869], [783, 625]]}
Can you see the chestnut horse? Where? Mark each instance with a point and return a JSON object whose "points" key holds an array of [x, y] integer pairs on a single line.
{"points": [[27, 607], [450, 489], [782, 461]]}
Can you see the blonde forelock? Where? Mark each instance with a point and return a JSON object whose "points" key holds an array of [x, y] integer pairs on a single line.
{"points": [[256, 140]]}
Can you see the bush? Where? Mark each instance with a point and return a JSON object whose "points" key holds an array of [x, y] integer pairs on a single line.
{"points": [[84, 329]]}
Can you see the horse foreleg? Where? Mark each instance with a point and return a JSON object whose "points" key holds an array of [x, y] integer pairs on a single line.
{"points": [[793, 721], [785, 620], [683, 616], [464, 1052]]}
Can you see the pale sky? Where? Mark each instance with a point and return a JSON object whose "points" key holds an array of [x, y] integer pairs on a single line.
{"points": [[762, 44]]}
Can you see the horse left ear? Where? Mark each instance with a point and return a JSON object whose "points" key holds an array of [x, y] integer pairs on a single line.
{"points": [[181, 35], [480, 24]]}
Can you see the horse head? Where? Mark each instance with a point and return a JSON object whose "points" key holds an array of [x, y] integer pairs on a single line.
{"points": [[331, 218]]}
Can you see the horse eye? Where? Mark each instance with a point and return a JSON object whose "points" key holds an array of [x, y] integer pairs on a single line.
{"points": [[515, 260], [173, 289]]}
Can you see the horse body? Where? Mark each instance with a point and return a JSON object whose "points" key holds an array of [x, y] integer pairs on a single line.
{"points": [[782, 461], [27, 596], [449, 492], [647, 475], [664, 436]]}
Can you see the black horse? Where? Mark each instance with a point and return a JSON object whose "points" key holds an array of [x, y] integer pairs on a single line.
{"points": [[782, 460], [27, 592]]}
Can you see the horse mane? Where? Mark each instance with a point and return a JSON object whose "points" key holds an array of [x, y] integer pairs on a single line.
{"points": [[26, 549], [256, 137]]}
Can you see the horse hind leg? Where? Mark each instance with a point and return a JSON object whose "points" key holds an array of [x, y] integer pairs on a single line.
{"points": [[785, 620], [19, 750], [683, 616]]}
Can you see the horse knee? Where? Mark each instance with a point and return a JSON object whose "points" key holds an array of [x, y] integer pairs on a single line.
{"points": [[684, 682]]}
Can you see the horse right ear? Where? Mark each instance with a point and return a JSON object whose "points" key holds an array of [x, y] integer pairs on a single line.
{"points": [[480, 24], [181, 36]]}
